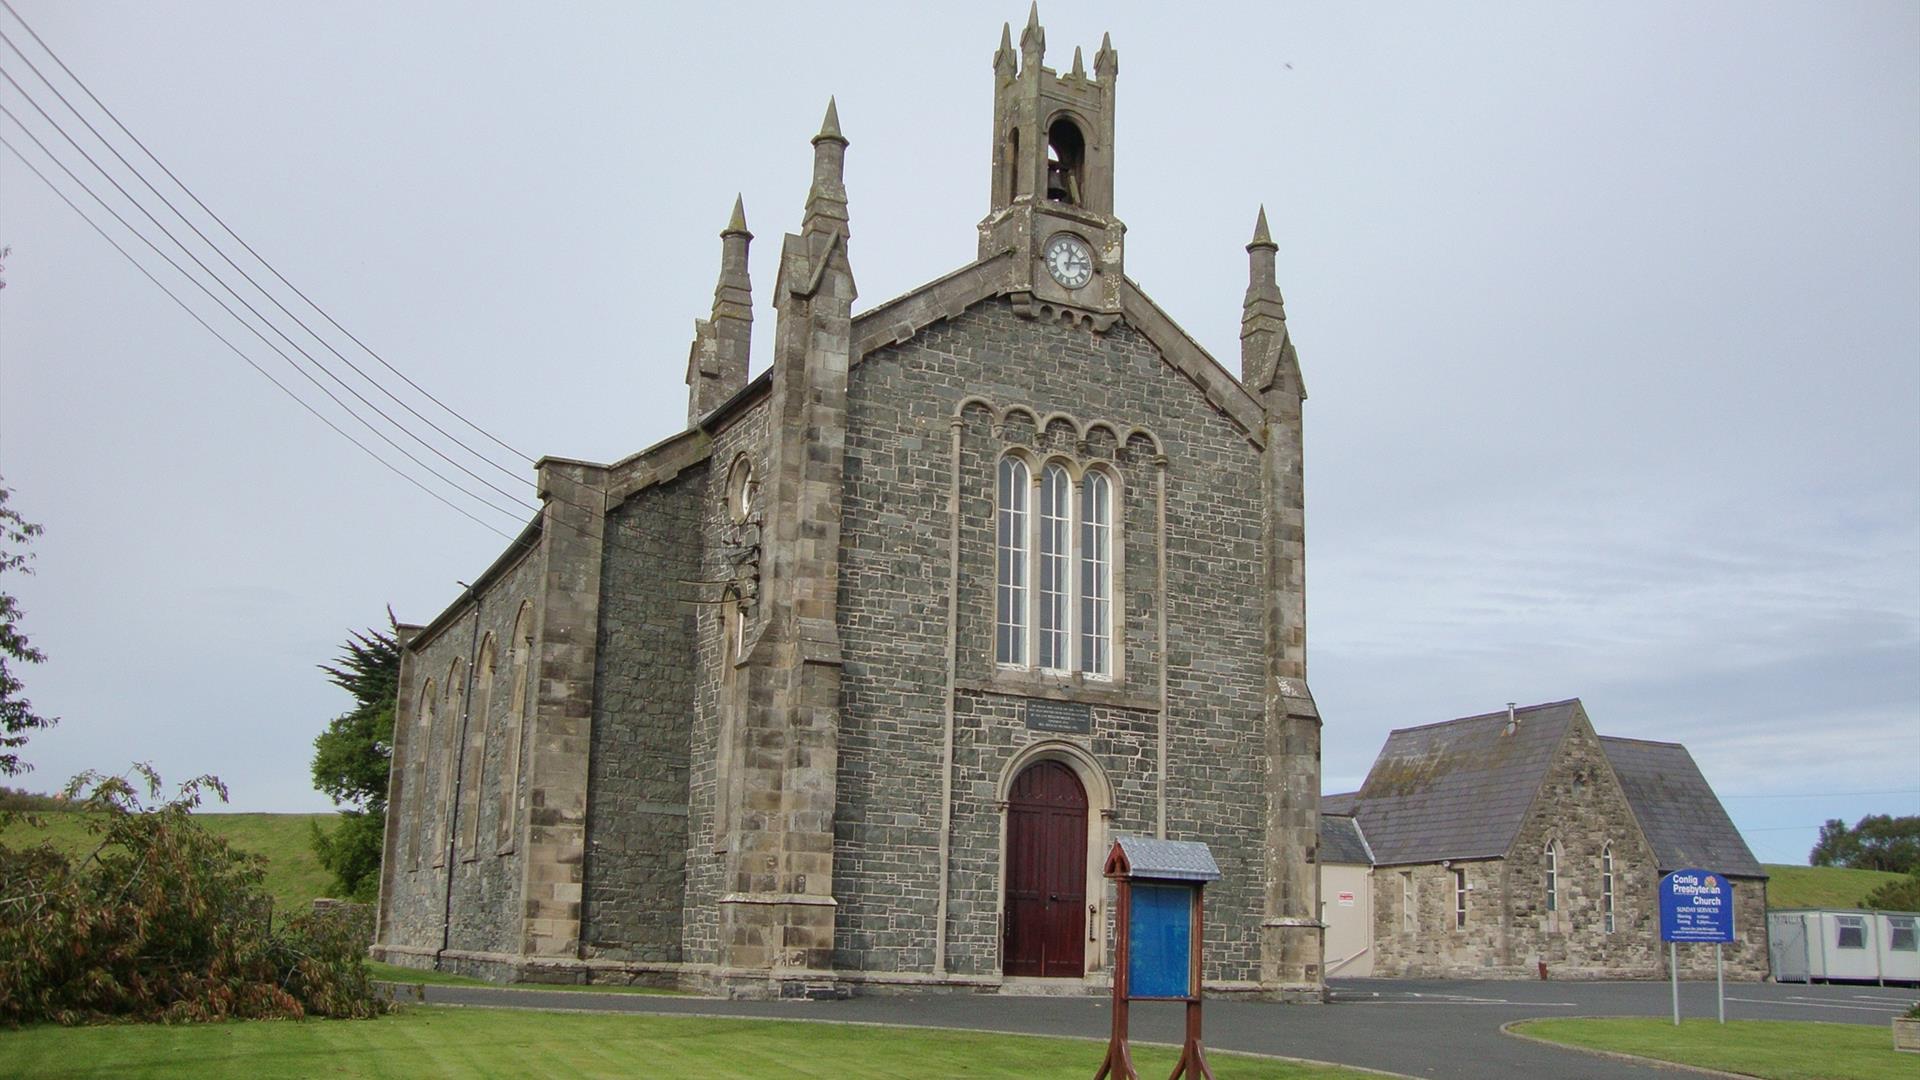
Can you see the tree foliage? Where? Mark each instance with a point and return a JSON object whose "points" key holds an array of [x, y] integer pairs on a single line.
{"points": [[163, 921], [17, 717], [351, 757], [1901, 895], [1876, 842]]}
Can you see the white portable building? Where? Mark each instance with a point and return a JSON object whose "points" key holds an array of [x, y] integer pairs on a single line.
{"points": [[1844, 945]]}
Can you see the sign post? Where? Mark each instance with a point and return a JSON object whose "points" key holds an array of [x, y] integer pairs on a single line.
{"points": [[1159, 925], [1696, 906]]}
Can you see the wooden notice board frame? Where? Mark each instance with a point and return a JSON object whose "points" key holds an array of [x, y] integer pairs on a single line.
{"points": [[1158, 943]]}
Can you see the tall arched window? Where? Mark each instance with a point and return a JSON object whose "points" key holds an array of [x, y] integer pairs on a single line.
{"points": [[1056, 511], [473, 770], [506, 827], [1606, 887], [1010, 619], [419, 752], [449, 756], [1553, 875], [1096, 574]]}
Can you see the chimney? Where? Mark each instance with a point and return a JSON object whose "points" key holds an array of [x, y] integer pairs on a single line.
{"points": [[1513, 722]]}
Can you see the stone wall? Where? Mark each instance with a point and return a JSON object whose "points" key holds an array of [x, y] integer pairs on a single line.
{"points": [[1509, 930], [637, 810], [712, 660], [893, 596], [433, 775]]}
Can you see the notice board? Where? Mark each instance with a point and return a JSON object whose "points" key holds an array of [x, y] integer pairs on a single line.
{"points": [[1160, 941]]}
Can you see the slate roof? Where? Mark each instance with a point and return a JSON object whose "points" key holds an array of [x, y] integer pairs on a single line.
{"points": [[1341, 804], [1341, 841], [1459, 789], [1677, 809], [1175, 860]]}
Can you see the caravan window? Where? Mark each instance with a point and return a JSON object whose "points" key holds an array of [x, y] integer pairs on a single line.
{"points": [[1902, 938], [1853, 931]]}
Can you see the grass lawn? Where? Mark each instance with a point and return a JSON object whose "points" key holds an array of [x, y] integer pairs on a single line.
{"points": [[1773, 1049], [294, 875], [415, 976], [426, 1041], [1821, 886]]}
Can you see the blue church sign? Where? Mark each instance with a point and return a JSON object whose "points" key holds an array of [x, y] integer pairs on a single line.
{"points": [[1160, 942], [1696, 906]]}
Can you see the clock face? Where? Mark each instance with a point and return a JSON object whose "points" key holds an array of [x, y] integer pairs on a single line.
{"points": [[1069, 260]]}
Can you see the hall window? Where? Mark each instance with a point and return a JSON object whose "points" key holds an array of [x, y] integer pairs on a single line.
{"points": [[1606, 887], [1900, 934], [1852, 931], [1054, 548], [1553, 875], [1459, 899]]}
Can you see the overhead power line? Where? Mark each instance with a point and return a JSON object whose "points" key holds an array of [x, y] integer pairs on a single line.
{"points": [[262, 260], [237, 351], [231, 291], [9, 114]]}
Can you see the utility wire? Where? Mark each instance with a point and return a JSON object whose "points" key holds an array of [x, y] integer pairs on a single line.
{"points": [[125, 194], [264, 373], [250, 327], [177, 182]]}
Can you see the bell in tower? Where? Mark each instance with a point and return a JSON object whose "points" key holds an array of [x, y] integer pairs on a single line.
{"points": [[1052, 178]]}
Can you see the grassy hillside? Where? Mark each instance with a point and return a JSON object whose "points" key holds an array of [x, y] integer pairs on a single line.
{"points": [[294, 876], [1821, 886]]}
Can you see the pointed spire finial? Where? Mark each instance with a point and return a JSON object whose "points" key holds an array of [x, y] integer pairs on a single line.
{"points": [[1033, 40], [1106, 62], [1079, 70], [737, 224], [1261, 237], [1006, 62], [830, 126]]}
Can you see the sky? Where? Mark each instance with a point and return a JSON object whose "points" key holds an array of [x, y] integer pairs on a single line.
{"points": [[1609, 315]]}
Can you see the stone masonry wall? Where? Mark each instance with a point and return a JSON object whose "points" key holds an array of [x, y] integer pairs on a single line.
{"points": [[486, 885], [712, 668], [893, 606], [635, 872], [485, 881], [1509, 930]]}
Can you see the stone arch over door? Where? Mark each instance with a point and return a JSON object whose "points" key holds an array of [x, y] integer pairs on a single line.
{"points": [[1048, 859]]}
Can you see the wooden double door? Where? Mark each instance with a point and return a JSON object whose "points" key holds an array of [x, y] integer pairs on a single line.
{"points": [[1046, 915]]}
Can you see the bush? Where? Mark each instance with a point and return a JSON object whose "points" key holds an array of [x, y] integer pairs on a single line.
{"points": [[162, 921], [1901, 895]]}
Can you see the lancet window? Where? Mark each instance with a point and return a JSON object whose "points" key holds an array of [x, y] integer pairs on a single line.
{"points": [[1054, 554]]}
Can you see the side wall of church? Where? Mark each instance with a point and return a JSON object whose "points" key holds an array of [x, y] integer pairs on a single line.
{"points": [[893, 602], [712, 662], [635, 862], [485, 880]]}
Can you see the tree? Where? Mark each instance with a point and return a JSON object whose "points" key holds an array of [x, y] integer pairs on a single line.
{"points": [[351, 757], [1876, 842], [17, 717], [1901, 895]]}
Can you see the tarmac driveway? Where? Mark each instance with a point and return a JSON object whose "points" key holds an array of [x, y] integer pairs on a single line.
{"points": [[1425, 1028]]}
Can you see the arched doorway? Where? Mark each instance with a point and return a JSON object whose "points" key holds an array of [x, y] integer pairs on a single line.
{"points": [[1046, 915]]}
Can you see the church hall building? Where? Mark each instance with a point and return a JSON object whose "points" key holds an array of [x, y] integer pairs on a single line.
{"points": [[850, 685]]}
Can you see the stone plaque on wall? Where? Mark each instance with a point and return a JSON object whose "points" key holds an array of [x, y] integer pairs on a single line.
{"points": [[1062, 717]]}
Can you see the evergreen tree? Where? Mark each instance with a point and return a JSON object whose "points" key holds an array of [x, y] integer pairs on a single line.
{"points": [[351, 757], [17, 717]]}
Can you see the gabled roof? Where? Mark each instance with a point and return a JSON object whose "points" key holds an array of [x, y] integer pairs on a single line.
{"points": [[1459, 789], [899, 319], [1677, 809], [1342, 842], [1341, 804], [1165, 860]]}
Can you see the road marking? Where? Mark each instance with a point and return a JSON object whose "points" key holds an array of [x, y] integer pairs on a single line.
{"points": [[1476, 1001], [1888, 1008]]}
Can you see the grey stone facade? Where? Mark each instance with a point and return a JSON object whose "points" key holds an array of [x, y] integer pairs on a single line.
{"points": [[769, 743], [1559, 772]]}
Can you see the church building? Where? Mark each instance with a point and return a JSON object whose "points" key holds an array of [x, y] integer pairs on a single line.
{"points": [[850, 685]]}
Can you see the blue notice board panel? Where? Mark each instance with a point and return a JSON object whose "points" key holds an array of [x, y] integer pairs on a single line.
{"points": [[1696, 905], [1160, 941]]}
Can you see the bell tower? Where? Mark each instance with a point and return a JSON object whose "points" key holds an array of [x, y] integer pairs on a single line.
{"points": [[1052, 182]]}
